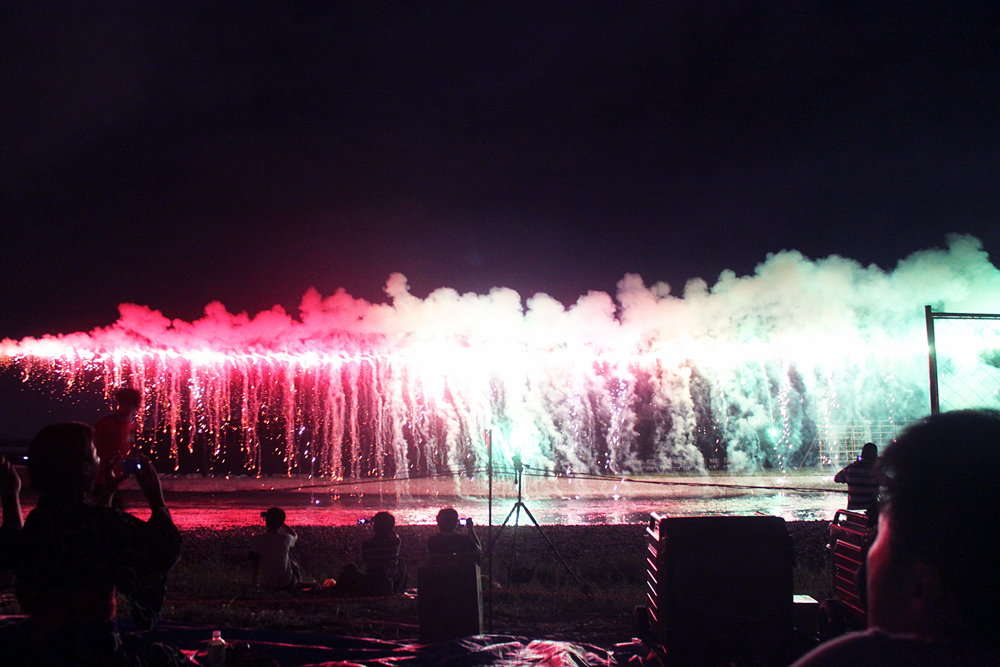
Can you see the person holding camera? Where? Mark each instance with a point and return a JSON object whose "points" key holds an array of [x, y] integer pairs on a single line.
{"points": [[269, 553], [75, 553], [862, 479], [449, 541], [385, 573]]}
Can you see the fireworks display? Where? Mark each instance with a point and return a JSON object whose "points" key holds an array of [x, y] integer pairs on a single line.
{"points": [[754, 371]]}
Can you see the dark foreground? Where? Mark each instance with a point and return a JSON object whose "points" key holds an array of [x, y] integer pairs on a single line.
{"points": [[212, 583], [211, 587]]}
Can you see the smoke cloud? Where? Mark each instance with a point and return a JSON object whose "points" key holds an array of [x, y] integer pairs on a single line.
{"points": [[775, 369]]}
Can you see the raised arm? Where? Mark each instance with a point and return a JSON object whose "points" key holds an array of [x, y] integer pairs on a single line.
{"points": [[471, 528], [10, 496], [10, 531], [165, 537]]}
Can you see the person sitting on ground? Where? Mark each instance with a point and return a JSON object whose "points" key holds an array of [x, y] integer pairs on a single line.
{"points": [[269, 553], [449, 541], [385, 573], [862, 479], [74, 554], [933, 580]]}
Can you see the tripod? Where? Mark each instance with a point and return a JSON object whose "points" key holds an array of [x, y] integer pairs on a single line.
{"points": [[515, 512]]}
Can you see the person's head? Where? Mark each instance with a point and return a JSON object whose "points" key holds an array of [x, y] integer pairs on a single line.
{"points": [[274, 518], [62, 459], [869, 452], [447, 519], [383, 523], [932, 570], [128, 399]]}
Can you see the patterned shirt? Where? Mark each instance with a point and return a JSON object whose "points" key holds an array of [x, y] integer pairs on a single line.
{"points": [[862, 482], [380, 554]]}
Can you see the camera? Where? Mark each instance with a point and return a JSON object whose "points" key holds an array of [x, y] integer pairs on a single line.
{"points": [[362, 521], [131, 466], [464, 522], [263, 515]]}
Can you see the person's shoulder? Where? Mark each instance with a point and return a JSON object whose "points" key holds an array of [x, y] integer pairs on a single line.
{"points": [[57, 506], [440, 540], [385, 540], [858, 649], [270, 538], [875, 648], [110, 419], [377, 542]]}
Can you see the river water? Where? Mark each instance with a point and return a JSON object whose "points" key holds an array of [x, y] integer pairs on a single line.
{"points": [[218, 502]]}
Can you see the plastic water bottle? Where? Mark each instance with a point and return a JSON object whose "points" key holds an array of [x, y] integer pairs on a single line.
{"points": [[216, 652]]}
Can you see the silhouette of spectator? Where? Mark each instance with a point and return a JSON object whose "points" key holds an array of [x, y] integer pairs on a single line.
{"points": [[74, 555], [933, 580], [449, 541], [384, 572], [862, 479], [10, 530], [114, 434], [269, 552]]}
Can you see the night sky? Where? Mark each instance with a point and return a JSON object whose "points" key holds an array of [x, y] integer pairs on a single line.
{"points": [[172, 154]]}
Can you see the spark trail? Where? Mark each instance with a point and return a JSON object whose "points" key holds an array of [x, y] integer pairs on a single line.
{"points": [[751, 371]]}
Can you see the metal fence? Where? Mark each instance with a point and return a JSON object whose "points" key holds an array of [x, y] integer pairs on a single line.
{"points": [[964, 360], [841, 443]]}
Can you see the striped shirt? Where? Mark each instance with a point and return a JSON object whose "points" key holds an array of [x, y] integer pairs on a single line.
{"points": [[862, 484]]}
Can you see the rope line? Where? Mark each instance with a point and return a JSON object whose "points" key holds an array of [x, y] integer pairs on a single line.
{"points": [[584, 476]]}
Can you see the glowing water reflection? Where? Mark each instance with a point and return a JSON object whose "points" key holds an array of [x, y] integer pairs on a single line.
{"points": [[207, 503]]}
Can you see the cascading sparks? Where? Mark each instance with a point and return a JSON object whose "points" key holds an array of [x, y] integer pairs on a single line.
{"points": [[762, 370]]}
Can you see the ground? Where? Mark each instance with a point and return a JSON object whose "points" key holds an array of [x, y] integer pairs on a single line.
{"points": [[212, 583]]}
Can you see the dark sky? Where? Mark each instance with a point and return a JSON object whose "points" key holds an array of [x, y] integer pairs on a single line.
{"points": [[172, 154]]}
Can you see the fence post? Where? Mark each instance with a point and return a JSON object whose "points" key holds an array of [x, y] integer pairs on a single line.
{"points": [[932, 360]]}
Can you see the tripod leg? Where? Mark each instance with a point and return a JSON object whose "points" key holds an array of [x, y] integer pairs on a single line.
{"points": [[500, 529], [513, 541], [554, 550]]}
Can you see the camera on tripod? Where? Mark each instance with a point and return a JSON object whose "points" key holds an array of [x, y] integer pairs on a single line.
{"points": [[521, 575]]}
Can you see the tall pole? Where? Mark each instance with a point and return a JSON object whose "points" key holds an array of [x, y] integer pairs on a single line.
{"points": [[489, 530], [932, 360]]}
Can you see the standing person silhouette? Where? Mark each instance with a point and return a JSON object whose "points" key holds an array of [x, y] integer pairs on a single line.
{"points": [[114, 433], [862, 479]]}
